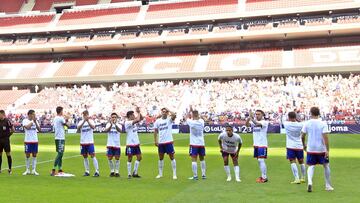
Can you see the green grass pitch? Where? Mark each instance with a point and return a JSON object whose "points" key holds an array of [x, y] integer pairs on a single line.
{"points": [[344, 161]]}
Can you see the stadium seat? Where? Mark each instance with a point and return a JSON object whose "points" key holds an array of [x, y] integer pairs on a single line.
{"points": [[9, 97], [106, 66], [267, 58], [11, 6], [45, 5], [253, 5], [26, 21], [98, 16], [193, 8], [82, 38], [162, 64], [70, 68]]}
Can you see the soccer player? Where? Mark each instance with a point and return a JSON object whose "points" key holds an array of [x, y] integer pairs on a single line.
{"points": [[164, 142], [294, 147], [260, 127], [30, 125], [59, 123], [132, 141], [197, 143], [86, 128], [230, 144], [6, 130], [317, 147], [113, 145]]}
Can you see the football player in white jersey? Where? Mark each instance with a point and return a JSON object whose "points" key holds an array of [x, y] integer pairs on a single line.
{"points": [[59, 123], [164, 140], [132, 141], [113, 130], [197, 143], [317, 147], [230, 144], [31, 127], [294, 147], [86, 128], [260, 127]]}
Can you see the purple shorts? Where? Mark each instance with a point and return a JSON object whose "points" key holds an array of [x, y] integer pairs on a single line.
{"points": [[87, 149], [316, 158], [197, 150], [31, 148], [260, 152], [293, 154], [113, 151], [167, 148], [132, 150]]}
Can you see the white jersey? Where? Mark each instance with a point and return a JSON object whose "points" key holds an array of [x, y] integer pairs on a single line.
{"points": [[132, 137], [58, 123], [86, 132], [113, 139], [30, 134], [196, 132], [293, 135], [315, 128], [260, 134], [164, 127], [230, 144]]}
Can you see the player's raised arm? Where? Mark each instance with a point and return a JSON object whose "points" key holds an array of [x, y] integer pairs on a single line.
{"points": [[29, 124], [108, 126], [37, 125], [172, 115], [139, 117], [66, 122], [91, 123], [80, 125]]}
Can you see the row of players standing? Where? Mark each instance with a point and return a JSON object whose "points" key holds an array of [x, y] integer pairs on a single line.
{"points": [[229, 142]]}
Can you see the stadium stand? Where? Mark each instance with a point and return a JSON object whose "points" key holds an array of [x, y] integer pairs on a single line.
{"points": [[218, 101]]}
